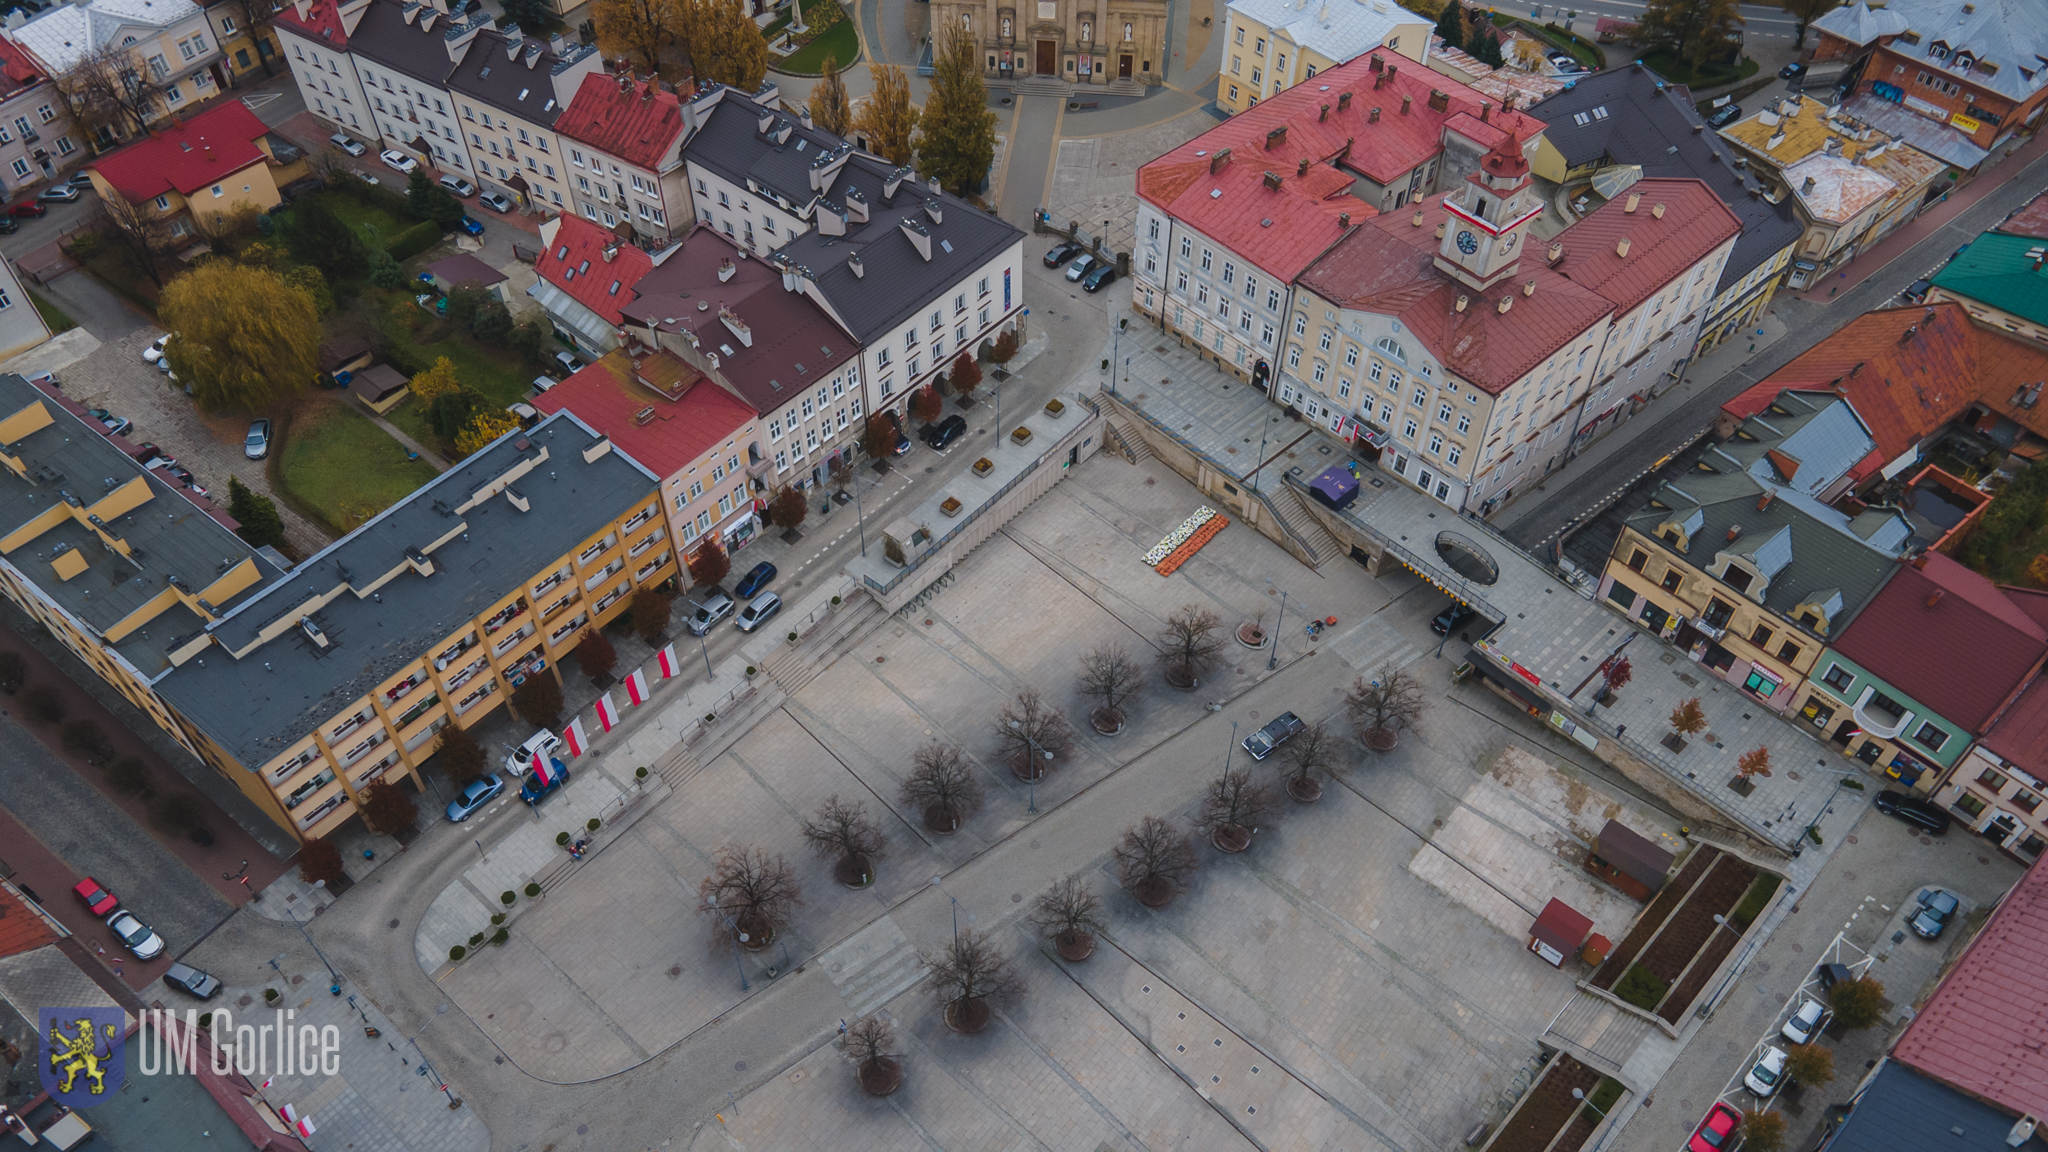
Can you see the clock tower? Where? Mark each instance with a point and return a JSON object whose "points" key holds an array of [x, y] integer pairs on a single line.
{"points": [[1488, 217]]}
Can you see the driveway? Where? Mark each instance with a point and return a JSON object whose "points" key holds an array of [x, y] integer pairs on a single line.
{"points": [[114, 377]]}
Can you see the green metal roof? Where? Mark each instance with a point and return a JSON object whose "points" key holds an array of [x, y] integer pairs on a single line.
{"points": [[1998, 272]]}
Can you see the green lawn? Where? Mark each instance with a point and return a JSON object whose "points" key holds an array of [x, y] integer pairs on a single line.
{"points": [[1678, 71], [841, 40], [52, 315], [373, 223], [417, 340], [342, 469]]}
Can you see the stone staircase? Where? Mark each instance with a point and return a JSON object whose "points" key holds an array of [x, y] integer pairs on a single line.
{"points": [[1041, 86], [1294, 512], [796, 665], [1123, 88], [1129, 444]]}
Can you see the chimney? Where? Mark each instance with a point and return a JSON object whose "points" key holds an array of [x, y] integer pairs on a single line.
{"points": [[1764, 502], [1276, 137], [920, 236], [1935, 597], [1343, 219], [1906, 337], [856, 205], [1506, 302], [935, 208], [1485, 112], [1734, 531], [804, 114], [1377, 64], [736, 326], [1323, 115], [1657, 211], [1439, 101], [1462, 301], [1373, 117], [764, 121], [1343, 101], [1856, 369], [859, 269], [1920, 562], [1634, 200], [1407, 102], [892, 182], [1807, 186], [1418, 218], [1528, 287], [1556, 251], [1440, 228], [1272, 181], [611, 252], [1621, 248], [1392, 71], [727, 269], [1217, 161], [1302, 168]]}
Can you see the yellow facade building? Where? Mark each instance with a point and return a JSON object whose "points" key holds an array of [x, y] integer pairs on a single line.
{"points": [[1271, 45]]}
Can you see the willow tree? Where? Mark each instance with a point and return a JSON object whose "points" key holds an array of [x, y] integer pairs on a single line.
{"points": [[246, 338]]}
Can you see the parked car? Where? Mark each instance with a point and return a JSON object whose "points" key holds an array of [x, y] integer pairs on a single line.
{"points": [[1080, 267], [1807, 1022], [902, 441], [495, 202], [471, 225], [80, 180], [116, 425], [1447, 621], [1725, 115], [98, 900], [756, 579], [1103, 274], [1831, 974], [1768, 1073], [943, 432], [458, 186], [1063, 252], [192, 980], [146, 945], [149, 454], [1937, 908], [1922, 814], [398, 161], [1280, 730], [710, 611], [256, 445], [1957, 254], [520, 759], [542, 383], [533, 791], [475, 795], [59, 194], [525, 413], [1716, 1130], [351, 146], [1792, 71], [1916, 291], [758, 610], [29, 208], [9, 225], [366, 176], [155, 351], [570, 365]]}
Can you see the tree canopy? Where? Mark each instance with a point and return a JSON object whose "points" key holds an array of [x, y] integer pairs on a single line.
{"points": [[246, 339], [318, 237], [260, 523], [1451, 25], [638, 29], [725, 44], [1697, 31], [427, 200], [956, 135], [887, 119], [830, 107]]}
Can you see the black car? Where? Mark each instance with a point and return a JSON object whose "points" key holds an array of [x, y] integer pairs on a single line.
{"points": [[756, 579], [1102, 274], [1833, 974], [1448, 620], [1283, 728], [1937, 908], [1916, 291], [1791, 71], [1725, 115], [1061, 253], [944, 432], [902, 441], [9, 225], [1922, 814]]}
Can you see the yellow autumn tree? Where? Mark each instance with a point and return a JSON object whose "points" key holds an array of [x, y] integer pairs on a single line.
{"points": [[246, 339], [724, 43], [638, 29], [483, 428], [434, 381], [887, 119]]}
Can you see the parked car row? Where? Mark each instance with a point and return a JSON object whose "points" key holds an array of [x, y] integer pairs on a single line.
{"points": [[759, 607], [1091, 271]]}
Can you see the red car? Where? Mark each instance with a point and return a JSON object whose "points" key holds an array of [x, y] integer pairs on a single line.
{"points": [[1714, 1132], [29, 208], [98, 899]]}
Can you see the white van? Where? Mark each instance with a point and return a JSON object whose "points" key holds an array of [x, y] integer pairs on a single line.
{"points": [[520, 760]]}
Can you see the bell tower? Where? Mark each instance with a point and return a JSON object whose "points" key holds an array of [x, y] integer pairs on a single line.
{"points": [[1483, 235]]}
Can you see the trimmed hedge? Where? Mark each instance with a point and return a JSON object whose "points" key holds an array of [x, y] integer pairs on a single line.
{"points": [[1641, 987], [413, 240], [1754, 900]]}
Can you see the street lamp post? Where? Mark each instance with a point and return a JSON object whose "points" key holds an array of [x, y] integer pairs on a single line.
{"points": [[711, 901], [860, 516], [1273, 661], [1580, 1094], [1031, 782], [705, 648], [1227, 752]]}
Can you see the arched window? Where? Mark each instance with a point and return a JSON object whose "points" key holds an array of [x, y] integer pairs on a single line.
{"points": [[1386, 344]]}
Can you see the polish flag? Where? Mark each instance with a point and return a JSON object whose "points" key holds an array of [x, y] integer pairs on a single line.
{"points": [[636, 687], [305, 1126], [607, 712], [289, 1113], [543, 772], [669, 664], [578, 742]]}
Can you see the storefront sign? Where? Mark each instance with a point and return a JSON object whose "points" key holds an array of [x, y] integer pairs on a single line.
{"points": [[1967, 124], [1923, 107]]}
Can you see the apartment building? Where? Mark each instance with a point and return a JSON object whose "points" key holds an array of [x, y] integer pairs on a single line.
{"points": [[243, 49], [37, 139], [692, 433], [213, 165], [21, 326], [169, 40], [1996, 789], [2001, 283], [1272, 45], [623, 134]]}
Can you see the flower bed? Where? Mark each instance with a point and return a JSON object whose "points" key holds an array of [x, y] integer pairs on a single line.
{"points": [[1548, 1107], [1652, 917], [1186, 552], [1179, 536]]}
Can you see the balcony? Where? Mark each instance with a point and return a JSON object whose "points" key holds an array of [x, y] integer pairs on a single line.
{"points": [[505, 645]]}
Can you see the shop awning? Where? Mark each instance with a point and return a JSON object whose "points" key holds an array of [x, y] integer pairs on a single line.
{"points": [[1517, 687]]}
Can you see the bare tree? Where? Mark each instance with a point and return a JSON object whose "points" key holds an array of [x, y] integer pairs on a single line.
{"points": [[750, 896], [968, 977], [1154, 861], [867, 1045], [1067, 914], [142, 232], [844, 834], [1313, 750], [330, 164], [1026, 729], [1381, 707], [1109, 674], [1188, 644], [111, 89], [1232, 809], [942, 786]]}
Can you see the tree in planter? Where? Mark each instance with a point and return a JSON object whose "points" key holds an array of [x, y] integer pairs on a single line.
{"points": [[319, 862], [878, 437], [1188, 644], [128, 776], [650, 612], [1615, 672], [867, 1045], [462, 757], [539, 700], [1154, 860], [841, 471], [1110, 675], [965, 376], [926, 405], [1688, 719], [844, 834], [43, 703], [85, 739], [1024, 722], [756, 891], [13, 670], [1381, 707], [595, 654], [387, 808], [1068, 914], [1756, 762], [943, 786], [1859, 1003], [969, 978], [1232, 809], [1809, 1064], [709, 564], [1004, 348], [1314, 750], [1762, 1131], [788, 509]]}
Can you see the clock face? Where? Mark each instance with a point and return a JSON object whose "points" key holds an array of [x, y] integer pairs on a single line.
{"points": [[1468, 243], [1507, 243]]}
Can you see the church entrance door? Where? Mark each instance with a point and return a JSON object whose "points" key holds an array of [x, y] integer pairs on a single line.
{"points": [[1048, 58], [1123, 67]]}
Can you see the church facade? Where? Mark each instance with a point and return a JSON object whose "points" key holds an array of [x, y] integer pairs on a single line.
{"points": [[1077, 41]]}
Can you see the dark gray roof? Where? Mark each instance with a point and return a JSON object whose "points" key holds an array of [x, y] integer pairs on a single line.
{"points": [[384, 37], [515, 75], [1634, 117], [255, 707], [172, 536], [1900, 1108], [730, 142]]}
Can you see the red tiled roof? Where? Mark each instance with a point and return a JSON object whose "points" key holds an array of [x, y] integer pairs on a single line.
{"points": [[1982, 1029], [1280, 230], [2020, 734], [1387, 267], [321, 23], [21, 929], [1947, 637], [575, 262], [2032, 220], [1694, 222], [187, 156], [16, 66], [608, 398], [632, 120]]}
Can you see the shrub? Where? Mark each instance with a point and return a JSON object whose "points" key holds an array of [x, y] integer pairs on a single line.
{"points": [[640, 773], [128, 776], [175, 811], [85, 738], [595, 655], [270, 995], [413, 240], [319, 861], [497, 918], [457, 952], [1641, 987], [1859, 1003], [1754, 900], [500, 936], [532, 889], [593, 824], [507, 897], [539, 700], [387, 808], [1810, 1064], [476, 939], [43, 703]]}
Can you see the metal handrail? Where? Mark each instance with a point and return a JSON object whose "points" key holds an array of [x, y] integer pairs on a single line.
{"points": [[939, 543]]}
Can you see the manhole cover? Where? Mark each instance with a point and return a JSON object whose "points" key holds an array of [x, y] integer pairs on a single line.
{"points": [[1034, 843], [583, 1129], [393, 924], [741, 1066], [1255, 715], [1798, 948], [929, 471], [1927, 840], [1016, 897], [1151, 480], [675, 971], [927, 621], [1762, 966], [498, 1060], [1848, 875], [1850, 839]]}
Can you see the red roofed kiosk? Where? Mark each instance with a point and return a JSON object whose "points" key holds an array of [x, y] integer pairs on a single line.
{"points": [[1559, 932]]}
